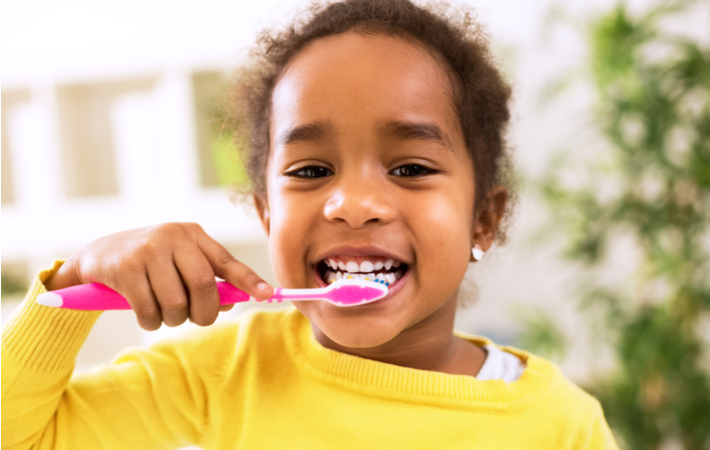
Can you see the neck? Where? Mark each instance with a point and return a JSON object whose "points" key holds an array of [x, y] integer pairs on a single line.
{"points": [[426, 345]]}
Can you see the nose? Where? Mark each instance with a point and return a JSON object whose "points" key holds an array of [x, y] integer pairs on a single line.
{"points": [[358, 202]]}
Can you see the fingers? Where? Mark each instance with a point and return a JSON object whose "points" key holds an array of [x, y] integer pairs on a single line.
{"points": [[167, 273], [234, 272], [142, 299], [199, 279], [170, 295], [170, 292]]}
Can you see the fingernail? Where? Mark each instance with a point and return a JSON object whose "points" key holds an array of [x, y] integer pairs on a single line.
{"points": [[262, 286]]}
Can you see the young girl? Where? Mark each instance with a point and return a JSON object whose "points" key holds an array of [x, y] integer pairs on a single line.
{"points": [[377, 146]]}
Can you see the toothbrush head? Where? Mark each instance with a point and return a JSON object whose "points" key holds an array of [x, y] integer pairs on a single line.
{"points": [[351, 292]]}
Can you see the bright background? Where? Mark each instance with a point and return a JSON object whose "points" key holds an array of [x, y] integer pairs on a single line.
{"points": [[105, 127]]}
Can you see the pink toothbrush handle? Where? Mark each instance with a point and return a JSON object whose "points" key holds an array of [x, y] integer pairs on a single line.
{"points": [[97, 297]]}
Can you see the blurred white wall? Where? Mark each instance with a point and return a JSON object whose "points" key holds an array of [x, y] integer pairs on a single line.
{"points": [[101, 123]]}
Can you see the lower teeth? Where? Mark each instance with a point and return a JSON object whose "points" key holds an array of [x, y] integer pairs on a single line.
{"points": [[388, 278]]}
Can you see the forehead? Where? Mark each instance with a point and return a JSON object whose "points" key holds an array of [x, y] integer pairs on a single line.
{"points": [[361, 79]]}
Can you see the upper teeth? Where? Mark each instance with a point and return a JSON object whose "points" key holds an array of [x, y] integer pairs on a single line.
{"points": [[363, 267], [364, 270]]}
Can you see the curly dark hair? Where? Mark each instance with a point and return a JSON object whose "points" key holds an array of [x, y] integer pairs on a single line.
{"points": [[453, 36]]}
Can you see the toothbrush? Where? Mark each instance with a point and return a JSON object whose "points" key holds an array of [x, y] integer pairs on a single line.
{"points": [[97, 297]]}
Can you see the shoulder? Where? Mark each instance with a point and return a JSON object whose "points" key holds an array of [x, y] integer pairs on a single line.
{"points": [[544, 383], [564, 394], [555, 393], [562, 412], [577, 415], [225, 342]]}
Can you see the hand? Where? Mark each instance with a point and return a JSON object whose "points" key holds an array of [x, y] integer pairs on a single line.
{"points": [[166, 272]]}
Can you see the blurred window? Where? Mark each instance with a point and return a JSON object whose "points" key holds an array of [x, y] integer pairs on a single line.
{"points": [[9, 99], [211, 140], [86, 135]]}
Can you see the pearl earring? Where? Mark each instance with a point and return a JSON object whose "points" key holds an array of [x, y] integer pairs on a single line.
{"points": [[477, 252]]}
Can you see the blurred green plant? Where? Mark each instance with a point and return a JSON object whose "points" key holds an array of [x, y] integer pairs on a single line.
{"points": [[12, 286], [648, 183], [228, 166], [540, 333]]}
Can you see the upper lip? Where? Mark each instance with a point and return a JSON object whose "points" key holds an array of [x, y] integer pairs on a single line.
{"points": [[369, 250]]}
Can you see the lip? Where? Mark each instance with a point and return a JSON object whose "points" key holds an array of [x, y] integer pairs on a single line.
{"points": [[391, 291], [350, 250]]}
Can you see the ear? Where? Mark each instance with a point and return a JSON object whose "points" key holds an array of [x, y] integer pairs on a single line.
{"points": [[262, 207], [488, 218]]}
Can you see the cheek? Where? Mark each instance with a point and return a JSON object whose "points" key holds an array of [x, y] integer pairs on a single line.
{"points": [[278, 234], [448, 217], [290, 223], [447, 238]]}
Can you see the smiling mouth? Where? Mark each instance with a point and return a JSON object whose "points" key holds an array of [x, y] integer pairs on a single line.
{"points": [[385, 271]]}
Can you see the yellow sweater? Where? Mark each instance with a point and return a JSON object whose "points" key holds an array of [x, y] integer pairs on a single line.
{"points": [[264, 382]]}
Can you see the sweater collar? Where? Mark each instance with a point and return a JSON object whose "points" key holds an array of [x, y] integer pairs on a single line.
{"points": [[407, 384]]}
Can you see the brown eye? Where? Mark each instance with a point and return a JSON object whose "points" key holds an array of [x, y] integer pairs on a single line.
{"points": [[310, 172], [412, 170]]}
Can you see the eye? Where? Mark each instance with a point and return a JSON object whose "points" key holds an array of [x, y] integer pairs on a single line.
{"points": [[310, 172], [412, 170]]}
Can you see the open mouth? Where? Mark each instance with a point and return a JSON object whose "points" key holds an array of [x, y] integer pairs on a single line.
{"points": [[386, 271]]}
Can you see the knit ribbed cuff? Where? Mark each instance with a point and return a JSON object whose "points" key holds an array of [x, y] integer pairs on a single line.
{"points": [[44, 338]]}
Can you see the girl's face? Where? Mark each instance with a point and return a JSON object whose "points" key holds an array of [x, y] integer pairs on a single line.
{"points": [[368, 164]]}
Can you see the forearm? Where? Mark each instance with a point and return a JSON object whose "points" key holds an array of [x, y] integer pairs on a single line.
{"points": [[39, 347]]}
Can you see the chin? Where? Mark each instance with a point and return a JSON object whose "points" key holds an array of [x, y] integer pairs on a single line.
{"points": [[352, 339], [352, 332]]}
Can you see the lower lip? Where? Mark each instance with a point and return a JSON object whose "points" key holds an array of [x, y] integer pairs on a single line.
{"points": [[392, 289]]}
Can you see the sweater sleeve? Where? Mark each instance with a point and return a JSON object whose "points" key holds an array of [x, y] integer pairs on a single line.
{"points": [[144, 399], [601, 437]]}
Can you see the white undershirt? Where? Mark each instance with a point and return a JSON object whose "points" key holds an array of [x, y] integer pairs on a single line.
{"points": [[500, 365]]}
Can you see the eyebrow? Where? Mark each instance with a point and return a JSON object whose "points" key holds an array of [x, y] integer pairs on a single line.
{"points": [[305, 133], [403, 130], [416, 130]]}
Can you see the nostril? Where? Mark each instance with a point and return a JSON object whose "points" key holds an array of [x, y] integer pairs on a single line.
{"points": [[357, 208]]}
